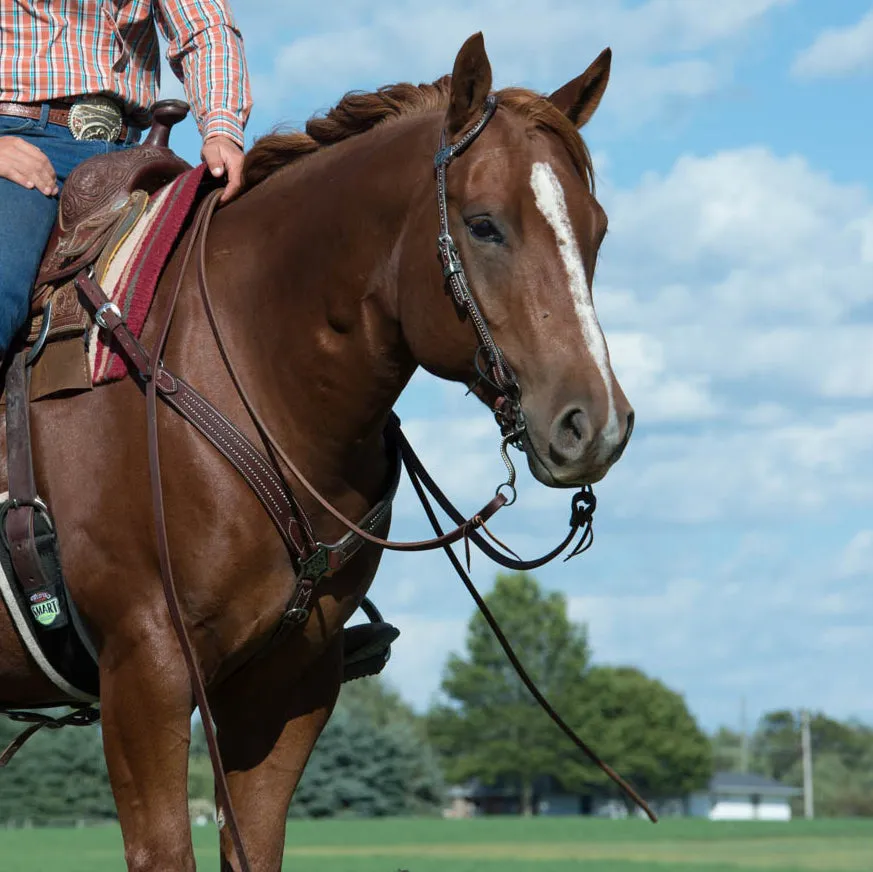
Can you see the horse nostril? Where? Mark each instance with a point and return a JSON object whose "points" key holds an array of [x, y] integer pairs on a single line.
{"points": [[619, 449], [571, 435], [575, 422]]}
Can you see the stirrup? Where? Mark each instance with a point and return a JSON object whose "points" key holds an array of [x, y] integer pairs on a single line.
{"points": [[367, 647]]}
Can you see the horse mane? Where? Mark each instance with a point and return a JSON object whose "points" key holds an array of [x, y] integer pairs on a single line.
{"points": [[360, 111]]}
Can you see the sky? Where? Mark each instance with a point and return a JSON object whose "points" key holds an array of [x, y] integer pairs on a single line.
{"points": [[733, 556]]}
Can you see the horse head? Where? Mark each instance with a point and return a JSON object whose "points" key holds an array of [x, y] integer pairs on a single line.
{"points": [[527, 227]]}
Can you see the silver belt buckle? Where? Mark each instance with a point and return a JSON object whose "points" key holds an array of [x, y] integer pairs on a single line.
{"points": [[95, 118]]}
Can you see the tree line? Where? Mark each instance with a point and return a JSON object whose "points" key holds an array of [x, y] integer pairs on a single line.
{"points": [[842, 759], [378, 757]]}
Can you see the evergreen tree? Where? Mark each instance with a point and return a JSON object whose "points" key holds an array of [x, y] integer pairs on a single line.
{"points": [[59, 776], [371, 760], [373, 698], [367, 770]]}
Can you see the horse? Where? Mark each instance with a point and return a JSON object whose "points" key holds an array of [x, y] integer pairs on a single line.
{"points": [[324, 278]]}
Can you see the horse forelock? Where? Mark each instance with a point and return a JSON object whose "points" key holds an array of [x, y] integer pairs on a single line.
{"points": [[358, 112]]}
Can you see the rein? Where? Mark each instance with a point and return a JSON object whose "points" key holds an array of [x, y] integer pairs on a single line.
{"points": [[510, 418], [316, 559]]}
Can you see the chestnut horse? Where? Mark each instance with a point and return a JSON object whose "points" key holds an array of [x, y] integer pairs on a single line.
{"points": [[325, 280]]}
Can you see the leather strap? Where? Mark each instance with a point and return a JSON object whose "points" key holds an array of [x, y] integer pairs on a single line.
{"points": [[222, 790], [460, 532], [16, 744], [256, 470], [522, 673], [22, 487], [81, 716], [58, 114]]}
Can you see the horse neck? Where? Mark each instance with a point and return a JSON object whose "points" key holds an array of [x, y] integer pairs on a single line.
{"points": [[308, 280]]}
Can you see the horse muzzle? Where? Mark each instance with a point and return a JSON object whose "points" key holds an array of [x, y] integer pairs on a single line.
{"points": [[576, 453]]}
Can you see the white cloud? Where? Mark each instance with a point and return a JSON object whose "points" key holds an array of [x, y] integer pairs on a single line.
{"points": [[779, 472], [738, 211], [728, 634], [857, 559], [539, 43], [838, 51], [742, 267], [639, 362]]}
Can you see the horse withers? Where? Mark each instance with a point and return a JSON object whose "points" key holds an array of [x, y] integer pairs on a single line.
{"points": [[324, 279]]}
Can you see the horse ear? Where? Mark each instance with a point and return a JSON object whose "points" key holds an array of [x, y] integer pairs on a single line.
{"points": [[579, 99], [471, 84]]}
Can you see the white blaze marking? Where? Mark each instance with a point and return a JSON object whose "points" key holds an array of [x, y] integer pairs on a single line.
{"points": [[551, 202]]}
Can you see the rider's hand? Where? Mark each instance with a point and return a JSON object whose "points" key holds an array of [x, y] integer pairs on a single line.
{"points": [[26, 165], [222, 155]]}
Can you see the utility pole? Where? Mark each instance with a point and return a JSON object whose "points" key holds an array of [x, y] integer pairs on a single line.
{"points": [[806, 744], [744, 738]]}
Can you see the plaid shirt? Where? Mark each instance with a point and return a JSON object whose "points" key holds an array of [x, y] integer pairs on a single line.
{"points": [[63, 48]]}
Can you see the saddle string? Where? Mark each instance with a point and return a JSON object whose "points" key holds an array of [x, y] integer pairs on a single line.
{"points": [[173, 606]]}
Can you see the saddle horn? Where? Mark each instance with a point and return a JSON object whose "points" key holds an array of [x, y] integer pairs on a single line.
{"points": [[165, 114]]}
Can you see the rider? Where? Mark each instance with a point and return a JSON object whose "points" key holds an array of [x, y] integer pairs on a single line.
{"points": [[99, 60]]}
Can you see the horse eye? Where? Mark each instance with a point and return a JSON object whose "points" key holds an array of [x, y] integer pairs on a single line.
{"points": [[484, 230]]}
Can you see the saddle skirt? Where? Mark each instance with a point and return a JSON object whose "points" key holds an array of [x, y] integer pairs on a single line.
{"points": [[123, 216]]}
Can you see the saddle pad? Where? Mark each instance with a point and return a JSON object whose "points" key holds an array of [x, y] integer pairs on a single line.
{"points": [[131, 272]]}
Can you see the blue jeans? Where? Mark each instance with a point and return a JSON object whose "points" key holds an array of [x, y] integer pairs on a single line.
{"points": [[27, 215]]}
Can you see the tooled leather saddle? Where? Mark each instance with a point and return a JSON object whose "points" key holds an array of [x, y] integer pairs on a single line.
{"points": [[102, 198], [96, 193], [100, 201]]}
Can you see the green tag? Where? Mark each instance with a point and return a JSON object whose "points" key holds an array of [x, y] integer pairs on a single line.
{"points": [[45, 608]]}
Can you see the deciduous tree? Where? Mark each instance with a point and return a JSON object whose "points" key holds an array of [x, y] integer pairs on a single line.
{"points": [[489, 727]]}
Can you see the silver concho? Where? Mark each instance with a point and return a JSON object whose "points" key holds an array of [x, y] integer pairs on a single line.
{"points": [[95, 118]]}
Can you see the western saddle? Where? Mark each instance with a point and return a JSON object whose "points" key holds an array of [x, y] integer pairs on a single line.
{"points": [[101, 200], [98, 190]]}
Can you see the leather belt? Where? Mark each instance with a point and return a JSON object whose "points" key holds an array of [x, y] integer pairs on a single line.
{"points": [[59, 113]]}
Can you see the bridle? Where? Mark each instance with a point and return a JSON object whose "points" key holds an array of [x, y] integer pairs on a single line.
{"points": [[497, 371]]}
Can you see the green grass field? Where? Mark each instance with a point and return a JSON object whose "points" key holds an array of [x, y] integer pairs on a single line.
{"points": [[492, 844]]}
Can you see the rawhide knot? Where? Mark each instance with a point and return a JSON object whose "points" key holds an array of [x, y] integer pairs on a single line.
{"points": [[582, 507]]}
